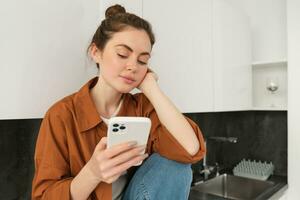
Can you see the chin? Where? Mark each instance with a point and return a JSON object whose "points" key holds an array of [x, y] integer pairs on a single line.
{"points": [[125, 89]]}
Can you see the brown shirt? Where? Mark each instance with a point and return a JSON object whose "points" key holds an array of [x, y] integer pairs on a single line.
{"points": [[71, 129]]}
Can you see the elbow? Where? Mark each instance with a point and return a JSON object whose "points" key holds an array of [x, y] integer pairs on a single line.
{"points": [[193, 149]]}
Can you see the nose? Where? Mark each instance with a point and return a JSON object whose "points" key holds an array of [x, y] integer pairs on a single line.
{"points": [[132, 65]]}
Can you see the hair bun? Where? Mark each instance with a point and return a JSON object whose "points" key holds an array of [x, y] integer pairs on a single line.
{"points": [[113, 10]]}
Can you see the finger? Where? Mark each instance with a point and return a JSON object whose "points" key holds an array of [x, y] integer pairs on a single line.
{"points": [[117, 149], [149, 70], [124, 156], [124, 166], [113, 178], [154, 74], [102, 144]]}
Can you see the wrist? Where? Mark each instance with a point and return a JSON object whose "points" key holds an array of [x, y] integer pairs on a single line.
{"points": [[151, 90], [90, 174], [83, 183]]}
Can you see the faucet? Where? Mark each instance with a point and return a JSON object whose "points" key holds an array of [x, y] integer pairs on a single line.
{"points": [[224, 139], [207, 170]]}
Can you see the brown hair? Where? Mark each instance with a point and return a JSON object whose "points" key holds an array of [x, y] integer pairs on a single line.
{"points": [[116, 20]]}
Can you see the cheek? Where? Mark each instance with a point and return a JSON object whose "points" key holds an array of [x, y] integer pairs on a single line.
{"points": [[142, 73], [112, 67]]}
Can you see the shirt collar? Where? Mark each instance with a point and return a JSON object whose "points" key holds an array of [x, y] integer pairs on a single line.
{"points": [[87, 115]]}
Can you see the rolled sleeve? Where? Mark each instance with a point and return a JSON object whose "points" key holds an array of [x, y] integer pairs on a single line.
{"points": [[52, 177], [50, 184], [167, 145], [164, 143]]}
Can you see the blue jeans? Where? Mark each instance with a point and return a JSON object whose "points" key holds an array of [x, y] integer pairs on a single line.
{"points": [[160, 179]]}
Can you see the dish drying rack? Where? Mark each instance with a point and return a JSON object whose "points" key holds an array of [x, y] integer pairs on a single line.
{"points": [[253, 169]]}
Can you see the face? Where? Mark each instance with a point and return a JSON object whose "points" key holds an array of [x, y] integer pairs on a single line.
{"points": [[124, 60]]}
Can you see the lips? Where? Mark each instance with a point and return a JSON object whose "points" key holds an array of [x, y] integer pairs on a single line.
{"points": [[127, 79]]}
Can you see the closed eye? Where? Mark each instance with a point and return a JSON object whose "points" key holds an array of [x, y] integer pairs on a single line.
{"points": [[142, 63], [122, 56]]}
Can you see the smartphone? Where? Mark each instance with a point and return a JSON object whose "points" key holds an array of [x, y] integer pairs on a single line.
{"points": [[125, 129]]}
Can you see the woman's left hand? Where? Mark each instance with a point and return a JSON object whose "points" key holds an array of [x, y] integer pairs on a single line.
{"points": [[149, 81]]}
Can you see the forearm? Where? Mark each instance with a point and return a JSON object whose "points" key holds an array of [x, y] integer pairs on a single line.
{"points": [[173, 120], [83, 184]]}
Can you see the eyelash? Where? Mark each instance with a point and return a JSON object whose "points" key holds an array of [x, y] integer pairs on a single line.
{"points": [[142, 63]]}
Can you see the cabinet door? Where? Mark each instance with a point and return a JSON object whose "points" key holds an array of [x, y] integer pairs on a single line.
{"points": [[232, 58], [42, 53], [182, 55]]}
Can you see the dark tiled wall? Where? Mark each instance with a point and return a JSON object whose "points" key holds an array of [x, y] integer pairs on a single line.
{"points": [[262, 135], [17, 142]]}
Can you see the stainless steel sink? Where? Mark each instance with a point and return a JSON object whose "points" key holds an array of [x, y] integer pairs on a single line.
{"points": [[234, 187]]}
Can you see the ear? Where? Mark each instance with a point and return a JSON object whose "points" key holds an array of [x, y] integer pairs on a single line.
{"points": [[95, 53]]}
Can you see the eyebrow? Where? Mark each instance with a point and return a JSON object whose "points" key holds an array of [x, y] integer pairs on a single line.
{"points": [[130, 49]]}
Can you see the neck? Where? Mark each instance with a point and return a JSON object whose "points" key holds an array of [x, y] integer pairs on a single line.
{"points": [[106, 98]]}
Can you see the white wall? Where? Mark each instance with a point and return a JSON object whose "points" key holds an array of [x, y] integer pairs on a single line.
{"points": [[133, 6], [293, 30], [43, 53], [268, 24]]}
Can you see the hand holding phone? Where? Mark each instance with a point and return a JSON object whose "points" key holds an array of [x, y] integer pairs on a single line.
{"points": [[125, 129], [108, 164]]}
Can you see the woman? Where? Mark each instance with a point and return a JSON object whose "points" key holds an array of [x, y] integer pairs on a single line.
{"points": [[71, 158]]}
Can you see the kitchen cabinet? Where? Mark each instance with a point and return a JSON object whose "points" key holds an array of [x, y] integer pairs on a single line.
{"points": [[272, 75], [182, 55], [269, 44], [200, 61], [202, 54]]}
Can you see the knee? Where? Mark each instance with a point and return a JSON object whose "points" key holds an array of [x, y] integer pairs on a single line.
{"points": [[171, 168], [160, 177]]}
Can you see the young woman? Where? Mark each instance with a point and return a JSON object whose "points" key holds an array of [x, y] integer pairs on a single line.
{"points": [[71, 158]]}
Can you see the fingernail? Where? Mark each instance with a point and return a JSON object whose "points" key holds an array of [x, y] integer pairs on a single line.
{"points": [[142, 147], [132, 143]]}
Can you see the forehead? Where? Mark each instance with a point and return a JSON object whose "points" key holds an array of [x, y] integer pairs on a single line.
{"points": [[138, 40]]}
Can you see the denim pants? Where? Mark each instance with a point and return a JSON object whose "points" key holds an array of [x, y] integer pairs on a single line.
{"points": [[160, 179]]}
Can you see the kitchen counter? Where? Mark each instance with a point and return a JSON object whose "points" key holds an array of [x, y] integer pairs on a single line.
{"points": [[272, 193]]}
